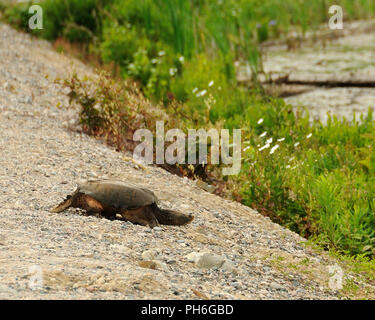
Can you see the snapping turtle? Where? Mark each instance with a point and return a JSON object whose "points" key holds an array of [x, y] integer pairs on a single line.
{"points": [[110, 197]]}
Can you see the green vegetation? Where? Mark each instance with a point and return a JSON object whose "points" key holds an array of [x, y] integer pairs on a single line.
{"points": [[316, 179], [318, 182]]}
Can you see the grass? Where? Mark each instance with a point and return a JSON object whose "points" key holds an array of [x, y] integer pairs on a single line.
{"points": [[358, 272]]}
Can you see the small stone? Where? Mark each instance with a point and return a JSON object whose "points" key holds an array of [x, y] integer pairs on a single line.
{"points": [[229, 266], [4, 289], [276, 286], [191, 257], [100, 281], [153, 264], [206, 259], [266, 269], [119, 248], [205, 186], [149, 254], [161, 265]]}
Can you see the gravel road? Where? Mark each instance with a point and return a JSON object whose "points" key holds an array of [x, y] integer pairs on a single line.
{"points": [[228, 252]]}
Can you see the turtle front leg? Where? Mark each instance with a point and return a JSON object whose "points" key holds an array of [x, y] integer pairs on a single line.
{"points": [[152, 221], [108, 214]]}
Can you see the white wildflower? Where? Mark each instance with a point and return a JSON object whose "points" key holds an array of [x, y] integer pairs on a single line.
{"points": [[154, 61], [309, 136], [211, 83], [195, 90], [269, 141], [265, 147], [260, 121], [98, 107], [281, 140], [172, 71], [247, 148], [202, 93], [263, 134], [181, 59], [274, 148], [161, 53], [296, 144]]}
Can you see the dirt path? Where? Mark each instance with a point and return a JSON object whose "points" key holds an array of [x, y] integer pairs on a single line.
{"points": [[72, 256]]}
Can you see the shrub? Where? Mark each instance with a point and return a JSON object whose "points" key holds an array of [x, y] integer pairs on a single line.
{"points": [[110, 109]]}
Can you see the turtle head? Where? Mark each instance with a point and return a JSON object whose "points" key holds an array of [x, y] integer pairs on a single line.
{"points": [[174, 218]]}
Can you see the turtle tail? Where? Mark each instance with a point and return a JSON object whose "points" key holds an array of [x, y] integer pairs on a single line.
{"points": [[67, 203], [171, 217]]}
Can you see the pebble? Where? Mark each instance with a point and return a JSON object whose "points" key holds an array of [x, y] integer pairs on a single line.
{"points": [[276, 286], [149, 254]]}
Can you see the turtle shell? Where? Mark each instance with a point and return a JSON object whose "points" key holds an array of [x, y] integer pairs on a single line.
{"points": [[118, 194]]}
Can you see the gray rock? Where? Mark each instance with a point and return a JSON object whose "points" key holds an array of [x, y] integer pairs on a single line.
{"points": [[206, 259], [151, 254], [276, 286]]}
